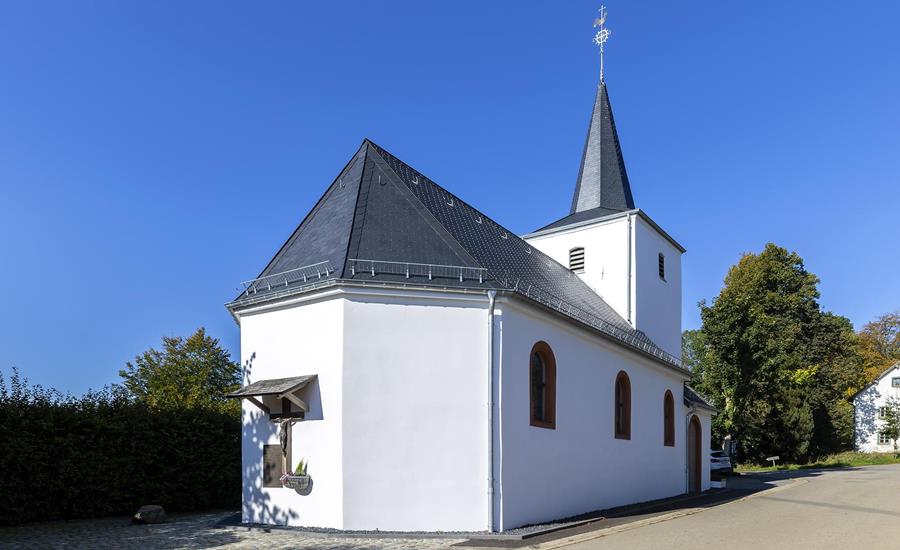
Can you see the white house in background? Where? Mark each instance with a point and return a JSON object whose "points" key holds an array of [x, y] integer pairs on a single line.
{"points": [[439, 373], [869, 410]]}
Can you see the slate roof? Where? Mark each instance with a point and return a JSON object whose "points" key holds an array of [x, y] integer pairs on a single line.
{"points": [[602, 187], [602, 179], [272, 386], [876, 380], [692, 398], [381, 209], [583, 216]]}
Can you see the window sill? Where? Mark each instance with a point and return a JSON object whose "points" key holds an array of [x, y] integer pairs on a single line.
{"points": [[626, 437], [543, 424]]}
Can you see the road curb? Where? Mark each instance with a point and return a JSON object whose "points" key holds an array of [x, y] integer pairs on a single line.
{"points": [[600, 533]]}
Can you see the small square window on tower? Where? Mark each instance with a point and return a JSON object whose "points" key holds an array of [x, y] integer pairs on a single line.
{"points": [[576, 260], [662, 266]]}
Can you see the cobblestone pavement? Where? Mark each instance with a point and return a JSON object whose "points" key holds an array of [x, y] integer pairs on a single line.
{"points": [[187, 531]]}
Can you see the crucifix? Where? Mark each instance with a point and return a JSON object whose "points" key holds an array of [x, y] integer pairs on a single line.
{"points": [[602, 35]]}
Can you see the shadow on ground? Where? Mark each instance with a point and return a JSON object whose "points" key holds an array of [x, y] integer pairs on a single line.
{"points": [[738, 486], [180, 531]]}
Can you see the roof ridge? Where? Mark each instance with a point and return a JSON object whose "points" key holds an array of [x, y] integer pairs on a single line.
{"points": [[310, 216], [528, 249], [423, 210]]}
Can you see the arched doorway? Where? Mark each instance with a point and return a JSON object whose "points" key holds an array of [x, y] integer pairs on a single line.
{"points": [[695, 455]]}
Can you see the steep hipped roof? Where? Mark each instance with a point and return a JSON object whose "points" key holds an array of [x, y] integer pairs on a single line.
{"points": [[602, 179], [380, 215]]}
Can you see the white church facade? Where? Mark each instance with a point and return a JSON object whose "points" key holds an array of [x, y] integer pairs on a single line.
{"points": [[436, 372]]}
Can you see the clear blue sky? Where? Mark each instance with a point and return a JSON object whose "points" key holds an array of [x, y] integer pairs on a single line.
{"points": [[154, 154]]}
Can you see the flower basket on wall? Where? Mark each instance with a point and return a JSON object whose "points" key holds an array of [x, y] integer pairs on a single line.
{"points": [[298, 483], [299, 480]]}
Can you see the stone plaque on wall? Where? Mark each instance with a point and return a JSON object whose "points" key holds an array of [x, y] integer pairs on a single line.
{"points": [[273, 466]]}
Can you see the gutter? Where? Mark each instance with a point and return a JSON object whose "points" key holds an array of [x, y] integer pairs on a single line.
{"points": [[628, 280], [492, 301]]}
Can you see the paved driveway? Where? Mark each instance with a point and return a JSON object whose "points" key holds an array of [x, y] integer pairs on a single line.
{"points": [[857, 509]]}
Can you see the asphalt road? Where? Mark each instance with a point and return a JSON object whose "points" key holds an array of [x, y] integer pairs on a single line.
{"points": [[857, 509]]}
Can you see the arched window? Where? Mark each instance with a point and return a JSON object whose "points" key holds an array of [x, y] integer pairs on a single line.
{"points": [[542, 385], [668, 420], [623, 406], [576, 260]]}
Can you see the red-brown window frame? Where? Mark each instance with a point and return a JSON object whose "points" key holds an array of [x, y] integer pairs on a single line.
{"points": [[549, 419], [668, 419], [623, 431]]}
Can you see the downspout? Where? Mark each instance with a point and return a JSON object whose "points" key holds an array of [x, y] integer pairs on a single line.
{"points": [[492, 297], [628, 281]]}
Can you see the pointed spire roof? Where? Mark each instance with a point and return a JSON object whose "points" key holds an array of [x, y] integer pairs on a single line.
{"points": [[380, 210], [602, 179]]}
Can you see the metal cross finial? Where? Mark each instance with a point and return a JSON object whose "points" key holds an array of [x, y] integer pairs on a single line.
{"points": [[602, 35]]}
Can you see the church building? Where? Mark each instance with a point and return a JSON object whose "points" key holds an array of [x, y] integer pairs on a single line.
{"points": [[412, 365]]}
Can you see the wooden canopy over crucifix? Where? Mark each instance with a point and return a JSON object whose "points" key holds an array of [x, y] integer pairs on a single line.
{"points": [[284, 389]]}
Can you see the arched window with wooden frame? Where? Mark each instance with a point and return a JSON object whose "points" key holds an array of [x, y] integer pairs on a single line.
{"points": [[668, 420], [542, 386], [623, 406]]}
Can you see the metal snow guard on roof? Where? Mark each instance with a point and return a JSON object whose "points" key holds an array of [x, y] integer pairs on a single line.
{"points": [[579, 314], [287, 278], [273, 386], [410, 269]]}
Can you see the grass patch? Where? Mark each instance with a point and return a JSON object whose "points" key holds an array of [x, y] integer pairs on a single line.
{"points": [[840, 460]]}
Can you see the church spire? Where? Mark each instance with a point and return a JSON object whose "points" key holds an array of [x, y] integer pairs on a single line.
{"points": [[602, 180]]}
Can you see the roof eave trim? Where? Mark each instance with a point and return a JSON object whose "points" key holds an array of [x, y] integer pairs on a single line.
{"points": [[699, 405], [609, 217], [680, 370]]}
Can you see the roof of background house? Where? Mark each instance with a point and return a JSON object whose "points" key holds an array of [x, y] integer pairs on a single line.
{"points": [[380, 215], [877, 379]]}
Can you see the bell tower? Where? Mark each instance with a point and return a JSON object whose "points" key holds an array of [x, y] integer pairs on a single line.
{"points": [[616, 248]]}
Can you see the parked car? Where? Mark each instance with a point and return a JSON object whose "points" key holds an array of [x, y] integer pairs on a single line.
{"points": [[720, 462]]}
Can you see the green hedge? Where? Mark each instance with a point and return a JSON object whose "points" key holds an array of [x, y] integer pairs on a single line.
{"points": [[104, 454]]}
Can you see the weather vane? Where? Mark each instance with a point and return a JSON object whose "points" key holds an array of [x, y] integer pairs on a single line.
{"points": [[602, 35]]}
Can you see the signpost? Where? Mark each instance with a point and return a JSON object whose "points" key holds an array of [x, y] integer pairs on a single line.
{"points": [[774, 459]]}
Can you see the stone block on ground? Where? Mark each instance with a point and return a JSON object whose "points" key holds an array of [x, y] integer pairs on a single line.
{"points": [[150, 513]]}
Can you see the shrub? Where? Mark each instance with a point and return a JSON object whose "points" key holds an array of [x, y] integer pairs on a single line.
{"points": [[105, 453]]}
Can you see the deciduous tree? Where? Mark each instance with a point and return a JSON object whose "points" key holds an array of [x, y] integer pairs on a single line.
{"points": [[187, 372], [777, 366]]}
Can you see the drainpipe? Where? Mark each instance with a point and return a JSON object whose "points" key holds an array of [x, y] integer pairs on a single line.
{"points": [[628, 281], [492, 296]]}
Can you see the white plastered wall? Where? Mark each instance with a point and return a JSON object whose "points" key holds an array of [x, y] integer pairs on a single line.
{"points": [[605, 257], [415, 413], [657, 301], [580, 466], [396, 436], [866, 405], [294, 341], [651, 304]]}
